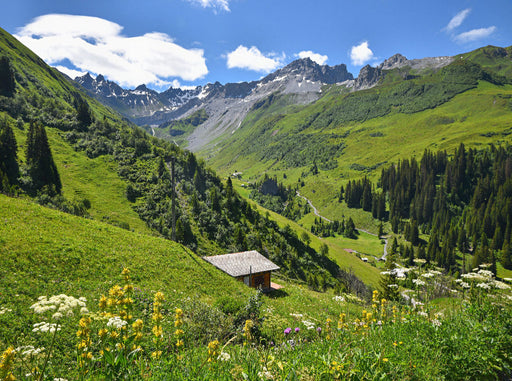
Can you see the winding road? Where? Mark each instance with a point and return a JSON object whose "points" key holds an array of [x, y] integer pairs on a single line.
{"points": [[315, 211]]}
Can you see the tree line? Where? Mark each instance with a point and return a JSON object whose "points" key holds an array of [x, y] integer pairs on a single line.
{"points": [[463, 201]]}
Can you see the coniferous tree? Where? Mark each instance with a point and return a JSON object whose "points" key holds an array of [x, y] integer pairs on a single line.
{"points": [[7, 81], [350, 229], [39, 159], [506, 257], [83, 112], [340, 197], [8, 153]]}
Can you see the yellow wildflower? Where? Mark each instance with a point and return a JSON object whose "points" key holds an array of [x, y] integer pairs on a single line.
{"points": [[213, 350], [102, 333], [156, 354], [157, 331], [103, 302]]}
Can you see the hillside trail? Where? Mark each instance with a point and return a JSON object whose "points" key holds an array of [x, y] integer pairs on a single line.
{"points": [[315, 211]]}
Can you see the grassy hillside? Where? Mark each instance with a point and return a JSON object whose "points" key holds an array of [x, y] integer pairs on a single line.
{"points": [[47, 252]]}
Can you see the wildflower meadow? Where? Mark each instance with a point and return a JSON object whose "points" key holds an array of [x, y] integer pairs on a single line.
{"points": [[129, 334]]}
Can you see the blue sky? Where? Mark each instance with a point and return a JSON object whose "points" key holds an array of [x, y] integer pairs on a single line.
{"points": [[193, 42]]}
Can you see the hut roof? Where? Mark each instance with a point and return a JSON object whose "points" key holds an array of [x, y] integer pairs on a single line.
{"points": [[242, 264]]}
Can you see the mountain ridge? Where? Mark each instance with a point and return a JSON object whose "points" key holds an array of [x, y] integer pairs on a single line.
{"points": [[227, 105]]}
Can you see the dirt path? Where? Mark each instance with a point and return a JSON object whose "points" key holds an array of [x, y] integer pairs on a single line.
{"points": [[315, 211]]}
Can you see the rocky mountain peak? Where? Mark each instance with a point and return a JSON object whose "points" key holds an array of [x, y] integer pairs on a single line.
{"points": [[393, 62], [100, 78], [368, 77], [86, 80], [312, 71], [142, 88]]}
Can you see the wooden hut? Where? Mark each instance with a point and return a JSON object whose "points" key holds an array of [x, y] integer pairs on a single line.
{"points": [[249, 267]]}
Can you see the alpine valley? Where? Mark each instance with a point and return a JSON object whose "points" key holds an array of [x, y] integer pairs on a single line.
{"points": [[384, 200]]}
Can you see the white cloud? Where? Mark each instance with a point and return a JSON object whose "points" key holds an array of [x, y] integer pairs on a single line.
{"points": [[475, 34], [71, 73], [318, 58], [361, 54], [252, 59], [177, 85], [96, 45], [457, 20], [215, 4]]}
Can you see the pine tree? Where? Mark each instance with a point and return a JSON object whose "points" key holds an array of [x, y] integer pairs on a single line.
{"points": [[506, 257], [8, 152], [7, 81], [83, 113], [350, 229], [39, 159]]}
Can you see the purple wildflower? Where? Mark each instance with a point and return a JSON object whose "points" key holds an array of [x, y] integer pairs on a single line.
{"points": [[297, 330], [319, 329], [287, 331]]}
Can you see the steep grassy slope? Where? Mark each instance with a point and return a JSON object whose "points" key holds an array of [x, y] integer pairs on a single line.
{"points": [[94, 179], [45, 251]]}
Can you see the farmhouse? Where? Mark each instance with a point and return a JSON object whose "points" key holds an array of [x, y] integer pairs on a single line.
{"points": [[250, 267]]}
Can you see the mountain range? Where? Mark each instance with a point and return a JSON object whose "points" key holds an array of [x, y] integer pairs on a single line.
{"points": [[225, 106]]}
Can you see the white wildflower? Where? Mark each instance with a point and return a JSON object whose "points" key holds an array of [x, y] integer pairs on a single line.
{"points": [[427, 275], [45, 327], [393, 285], [421, 313], [84, 311], [485, 286], [224, 356], [57, 316], [500, 285], [4, 310], [486, 273], [297, 316], [475, 277], [309, 325], [436, 323], [338, 298], [420, 260], [265, 374], [116, 322], [62, 304], [29, 350], [418, 282]]}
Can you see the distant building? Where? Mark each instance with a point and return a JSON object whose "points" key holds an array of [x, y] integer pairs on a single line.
{"points": [[249, 267]]}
